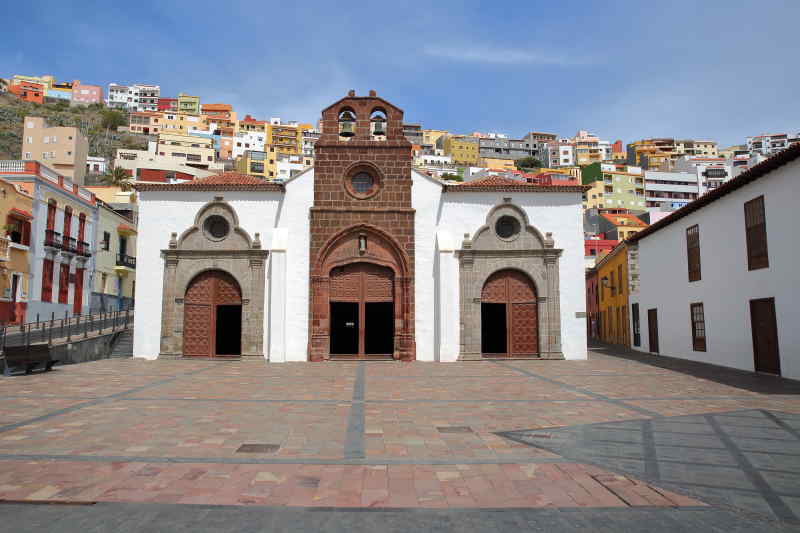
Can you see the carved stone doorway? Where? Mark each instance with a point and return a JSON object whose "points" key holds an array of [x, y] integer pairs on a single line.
{"points": [[362, 311], [509, 318], [212, 319]]}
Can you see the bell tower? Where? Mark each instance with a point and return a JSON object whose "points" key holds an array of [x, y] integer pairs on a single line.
{"points": [[362, 233]]}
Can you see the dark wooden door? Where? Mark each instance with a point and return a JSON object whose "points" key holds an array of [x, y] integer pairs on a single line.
{"points": [[764, 326], [363, 284], [206, 291], [652, 329], [515, 291], [77, 297]]}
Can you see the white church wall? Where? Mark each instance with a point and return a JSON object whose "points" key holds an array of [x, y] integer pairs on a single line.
{"points": [[425, 198], [160, 214], [294, 218], [557, 213]]}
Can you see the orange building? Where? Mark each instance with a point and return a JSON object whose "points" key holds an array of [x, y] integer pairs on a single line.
{"points": [[28, 91]]}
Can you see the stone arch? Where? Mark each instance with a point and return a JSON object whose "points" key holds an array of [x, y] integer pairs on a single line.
{"points": [[509, 314], [196, 251], [531, 253], [212, 314], [362, 243]]}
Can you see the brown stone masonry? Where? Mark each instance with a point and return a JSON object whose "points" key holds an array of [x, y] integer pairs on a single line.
{"points": [[382, 217]]}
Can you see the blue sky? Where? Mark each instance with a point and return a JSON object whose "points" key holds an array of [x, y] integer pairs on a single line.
{"points": [[709, 69]]}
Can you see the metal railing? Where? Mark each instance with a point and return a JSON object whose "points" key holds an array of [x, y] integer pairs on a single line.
{"points": [[70, 244], [126, 261], [66, 329], [52, 239], [84, 249]]}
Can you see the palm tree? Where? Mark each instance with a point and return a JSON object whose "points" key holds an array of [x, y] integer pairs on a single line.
{"points": [[117, 177]]}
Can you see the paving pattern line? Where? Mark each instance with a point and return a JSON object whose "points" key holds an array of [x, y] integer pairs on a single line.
{"points": [[374, 461], [778, 506], [780, 423], [581, 390], [98, 401], [354, 438]]}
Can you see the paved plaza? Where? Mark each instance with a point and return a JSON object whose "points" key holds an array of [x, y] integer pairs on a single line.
{"points": [[647, 442]]}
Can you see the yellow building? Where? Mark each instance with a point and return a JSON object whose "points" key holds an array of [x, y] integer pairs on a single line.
{"points": [[663, 152], [16, 207], [613, 187], [196, 151], [181, 123], [431, 136], [612, 272], [504, 164], [462, 150], [188, 104], [115, 260], [255, 163]]}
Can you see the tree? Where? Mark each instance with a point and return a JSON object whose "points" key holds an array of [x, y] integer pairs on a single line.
{"points": [[112, 119], [453, 177], [527, 163], [117, 177]]}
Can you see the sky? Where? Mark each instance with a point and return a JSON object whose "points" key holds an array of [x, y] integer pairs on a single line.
{"points": [[719, 70]]}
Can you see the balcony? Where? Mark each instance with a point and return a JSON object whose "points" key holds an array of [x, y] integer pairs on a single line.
{"points": [[126, 261], [69, 245], [52, 239], [83, 249]]}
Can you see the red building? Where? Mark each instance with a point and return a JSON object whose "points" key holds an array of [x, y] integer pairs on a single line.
{"points": [[28, 91], [167, 104], [598, 247]]}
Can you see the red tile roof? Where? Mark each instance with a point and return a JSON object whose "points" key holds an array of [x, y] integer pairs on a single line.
{"points": [[630, 220], [225, 181], [500, 183]]}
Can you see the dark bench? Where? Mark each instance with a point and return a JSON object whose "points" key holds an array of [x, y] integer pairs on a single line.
{"points": [[27, 358]]}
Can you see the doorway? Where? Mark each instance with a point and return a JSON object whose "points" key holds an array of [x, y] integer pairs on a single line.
{"points": [[764, 326], [509, 316], [652, 329], [362, 311], [212, 315]]}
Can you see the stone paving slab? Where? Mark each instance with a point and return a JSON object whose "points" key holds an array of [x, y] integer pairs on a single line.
{"points": [[408, 435], [428, 486]]}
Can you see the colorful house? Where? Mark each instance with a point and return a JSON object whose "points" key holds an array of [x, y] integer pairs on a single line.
{"points": [[16, 207], [612, 306]]}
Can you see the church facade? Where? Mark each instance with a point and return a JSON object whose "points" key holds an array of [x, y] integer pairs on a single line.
{"points": [[359, 257]]}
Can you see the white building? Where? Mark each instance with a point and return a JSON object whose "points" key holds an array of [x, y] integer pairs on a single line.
{"points": [[555, 154], [717, 280], [290, 165], [96, 164], [313, 268], [675, 189], [770, 143], [247, 141], [139, 97]]}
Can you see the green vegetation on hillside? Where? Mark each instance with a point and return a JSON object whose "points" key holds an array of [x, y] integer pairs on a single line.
{"points": [[95, 121]]}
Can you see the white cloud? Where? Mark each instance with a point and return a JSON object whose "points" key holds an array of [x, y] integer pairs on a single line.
{"points": [[502, 56]]}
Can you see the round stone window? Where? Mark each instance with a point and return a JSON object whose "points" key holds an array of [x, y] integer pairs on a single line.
{"points": [[216, 227], [362, 184], [507, 227]]}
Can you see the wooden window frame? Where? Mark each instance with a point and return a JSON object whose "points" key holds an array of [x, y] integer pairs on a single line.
{"points": [[63, 283], [637, 334], [693, 253], [47, 280], [755, 228], [697, 318]]}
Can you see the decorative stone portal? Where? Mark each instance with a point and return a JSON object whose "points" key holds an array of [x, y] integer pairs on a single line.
{"points": [[508, 276], [212, 317], [360, 298], [509, 316], [213, 282]]}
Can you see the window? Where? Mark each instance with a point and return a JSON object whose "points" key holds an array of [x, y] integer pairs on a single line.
{"points": [[507, 227], [637, 337], [63, 284], [755, 222], [51, 215], [47, 280], [613, 286], [619, 276], [698, 327], [18, 230], [106, 242], [693, 252]]}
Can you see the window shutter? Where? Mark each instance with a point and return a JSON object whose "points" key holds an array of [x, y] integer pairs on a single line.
{"points": [[756, 234], [693, 252]]}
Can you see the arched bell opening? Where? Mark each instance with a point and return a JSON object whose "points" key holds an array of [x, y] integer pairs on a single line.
{"points": [[347, 124], [378, 124]]}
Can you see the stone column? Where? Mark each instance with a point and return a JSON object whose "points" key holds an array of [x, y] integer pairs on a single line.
{"points": [[553, 306], [168, 326]]}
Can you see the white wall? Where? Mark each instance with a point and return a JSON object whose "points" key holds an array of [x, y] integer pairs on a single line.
{"points": [[160, 214], [726, 286], [558, 213], [425, 198]]}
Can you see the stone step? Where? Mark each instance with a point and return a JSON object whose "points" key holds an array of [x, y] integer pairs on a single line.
{"points": [[123, 346]]}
